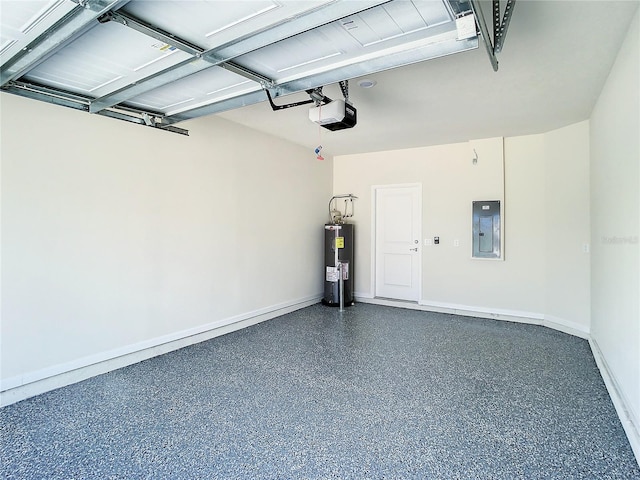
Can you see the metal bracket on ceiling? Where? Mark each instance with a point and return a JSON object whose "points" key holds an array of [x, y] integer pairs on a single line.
{"points": [[149, 121], [238, 69], [79, 102], [144, 119], [344, 87], [499, 27], [316, 95], [100, 5], [151, 31]]}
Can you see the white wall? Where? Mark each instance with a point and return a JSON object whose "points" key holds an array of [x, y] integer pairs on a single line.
{"points": [[525, 212], [531, 176], [450, 182], [615, 219], [567, 225], [115, 235]]}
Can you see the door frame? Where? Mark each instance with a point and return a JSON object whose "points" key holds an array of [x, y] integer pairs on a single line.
{"points": [[374, 227]]}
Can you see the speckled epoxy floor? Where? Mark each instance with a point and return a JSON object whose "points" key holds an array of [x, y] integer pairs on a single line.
{"points": [[376, 392]]}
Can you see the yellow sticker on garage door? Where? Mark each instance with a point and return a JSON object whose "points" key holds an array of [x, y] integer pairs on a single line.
{"points": [[339, 242]]}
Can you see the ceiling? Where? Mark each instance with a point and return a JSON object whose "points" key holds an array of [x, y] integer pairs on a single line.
{"points": [[162, 64]]}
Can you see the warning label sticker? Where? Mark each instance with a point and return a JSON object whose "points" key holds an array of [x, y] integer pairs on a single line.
{"points": [[339, 242], [332, 274], [164, 47]]}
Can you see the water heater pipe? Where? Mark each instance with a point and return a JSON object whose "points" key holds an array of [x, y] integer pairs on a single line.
{"points": [[348, 197], [341, 287]]}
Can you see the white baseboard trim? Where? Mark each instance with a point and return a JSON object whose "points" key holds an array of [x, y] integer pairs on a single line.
{"points": [[518, 316], [21, 387], [483, 312], [566, 326], [388, 302], [358, 295], [455, 309], [627, 416]]}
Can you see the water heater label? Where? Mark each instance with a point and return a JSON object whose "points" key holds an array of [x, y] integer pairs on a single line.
{"points": [[339, 242], [345, 271], [332, 274]]}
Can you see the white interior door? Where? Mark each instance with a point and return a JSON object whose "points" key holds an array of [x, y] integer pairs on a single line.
{"points": [[398, 232]]}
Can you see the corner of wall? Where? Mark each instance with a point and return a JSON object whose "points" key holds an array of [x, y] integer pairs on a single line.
{"points": [[615, 224]]}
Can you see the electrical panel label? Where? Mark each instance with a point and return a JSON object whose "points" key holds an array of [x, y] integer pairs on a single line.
{"points": [[339, 242]]}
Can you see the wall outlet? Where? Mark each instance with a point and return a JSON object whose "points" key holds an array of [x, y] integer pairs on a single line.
{"points": [[585, 248], [456, 242]]}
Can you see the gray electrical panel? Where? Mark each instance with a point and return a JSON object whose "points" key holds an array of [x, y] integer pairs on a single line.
{"points": [[486, 229]]}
